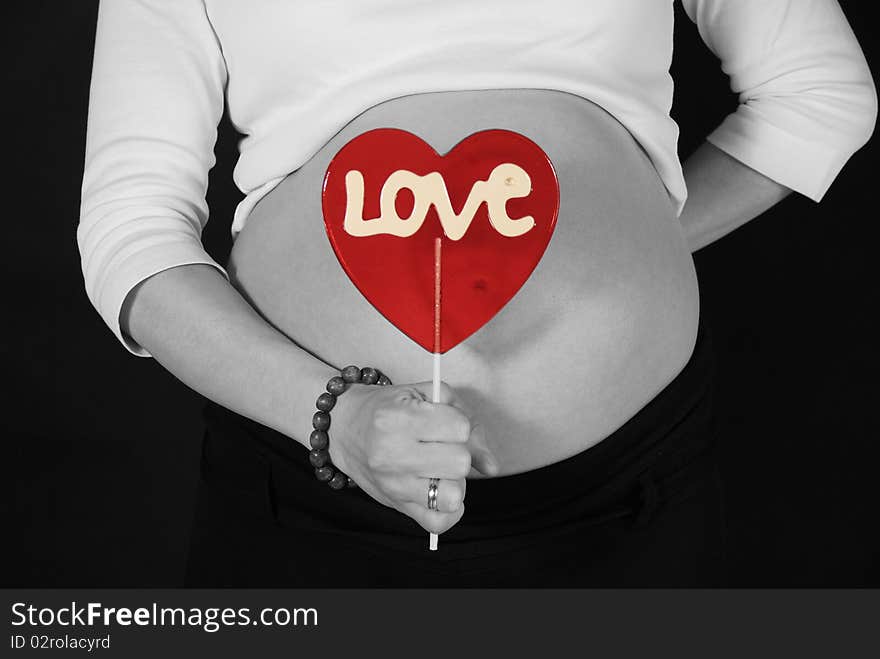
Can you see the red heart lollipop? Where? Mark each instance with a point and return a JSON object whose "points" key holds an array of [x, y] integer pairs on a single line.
{"points": [[493, 200]]}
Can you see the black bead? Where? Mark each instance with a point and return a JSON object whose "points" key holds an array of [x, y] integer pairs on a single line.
{"points": [[369, 375], [324, 474], [383, 379], [319, 439], [325, 402], [349, 482], [321, 420], [351, 374], [319, 457], [336, 385], [338, 481]]}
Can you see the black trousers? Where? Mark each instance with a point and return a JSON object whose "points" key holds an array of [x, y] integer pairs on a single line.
{"points": [[642, 508]]}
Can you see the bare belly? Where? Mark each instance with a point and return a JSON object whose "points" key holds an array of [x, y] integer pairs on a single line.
{"points": [[606, 320]]}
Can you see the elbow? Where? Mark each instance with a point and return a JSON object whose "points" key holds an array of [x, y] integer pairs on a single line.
{"points": [[834, 103], [120, 247], [846, 77], [858, 102], [866, 117], [843, 115]]}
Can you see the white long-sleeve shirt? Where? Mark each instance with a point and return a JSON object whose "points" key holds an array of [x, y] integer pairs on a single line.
{"points": [[294, 73]]}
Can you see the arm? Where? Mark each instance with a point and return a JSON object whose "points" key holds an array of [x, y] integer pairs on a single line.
{"points": [[806, 103], [723, 194], [201, 330], [156, 97]]}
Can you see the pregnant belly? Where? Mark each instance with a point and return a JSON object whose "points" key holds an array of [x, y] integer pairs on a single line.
{"points": [[606, 320]]}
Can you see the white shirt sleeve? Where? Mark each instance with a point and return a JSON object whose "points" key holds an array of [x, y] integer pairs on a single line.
{"points": [[807, 101], [156, 98]]}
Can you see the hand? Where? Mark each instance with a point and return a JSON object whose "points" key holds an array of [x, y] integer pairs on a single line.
{"points": [[392, 440]]}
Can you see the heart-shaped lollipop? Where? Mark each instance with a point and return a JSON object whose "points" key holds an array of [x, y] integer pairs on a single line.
{"points": [[439, 241], [493, 200]]}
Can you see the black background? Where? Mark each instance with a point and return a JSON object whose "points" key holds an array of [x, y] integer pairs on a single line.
{"points": [[101, 448]]}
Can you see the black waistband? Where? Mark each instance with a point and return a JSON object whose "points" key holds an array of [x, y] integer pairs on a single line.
{"points": [[671, 430]]}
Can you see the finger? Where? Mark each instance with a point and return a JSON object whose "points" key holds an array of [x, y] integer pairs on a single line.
{"points": [[438, 422], [482, 458], [438, 460], [431, 520], [450, 493], [447, 394]]}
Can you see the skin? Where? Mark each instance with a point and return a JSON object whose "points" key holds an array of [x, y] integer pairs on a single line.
{"points": [[723, 194], [389, 439], [605, 321]]}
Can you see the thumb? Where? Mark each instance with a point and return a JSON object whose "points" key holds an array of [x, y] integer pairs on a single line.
{"points": [[447, 395], [482, 458]]}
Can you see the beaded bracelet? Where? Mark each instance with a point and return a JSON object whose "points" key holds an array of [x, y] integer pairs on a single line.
{"points": [[319, 440]]}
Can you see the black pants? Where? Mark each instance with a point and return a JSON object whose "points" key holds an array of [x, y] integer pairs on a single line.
{"points": [[643, 507]]}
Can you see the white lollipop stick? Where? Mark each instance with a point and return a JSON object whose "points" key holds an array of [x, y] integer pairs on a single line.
{"points": [[435, 396], [435, 388]]}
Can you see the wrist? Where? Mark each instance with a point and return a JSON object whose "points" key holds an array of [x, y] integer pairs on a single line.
{"points": [[350, 383], [344, 423], [301, 379]]}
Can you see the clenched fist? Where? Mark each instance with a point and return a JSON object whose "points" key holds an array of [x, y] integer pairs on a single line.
{"points": [[392, 440]]}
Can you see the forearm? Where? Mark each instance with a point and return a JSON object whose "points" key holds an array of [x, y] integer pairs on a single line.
{"points": [[201, 330], [723, 194]]}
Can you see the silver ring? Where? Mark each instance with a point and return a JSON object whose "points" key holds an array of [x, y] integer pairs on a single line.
{"points": [[432, 493]]}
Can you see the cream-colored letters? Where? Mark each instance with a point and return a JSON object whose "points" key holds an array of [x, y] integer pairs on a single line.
{"points": [[507, 181]]}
